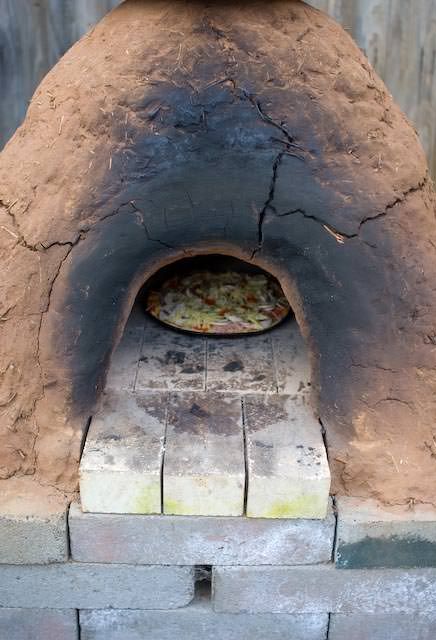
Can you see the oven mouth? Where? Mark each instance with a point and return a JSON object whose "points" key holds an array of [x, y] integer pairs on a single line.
{"points": [[215, 295]]}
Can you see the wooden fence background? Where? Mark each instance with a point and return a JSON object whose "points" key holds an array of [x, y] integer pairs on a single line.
{"points": [[399, 37]]}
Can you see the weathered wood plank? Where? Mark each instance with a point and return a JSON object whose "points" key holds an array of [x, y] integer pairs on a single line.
{"points": [[120, 470], [204, 467], [288, 472]]}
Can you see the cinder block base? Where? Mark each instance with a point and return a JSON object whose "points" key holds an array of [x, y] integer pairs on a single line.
{"points": [[199, 622], [197, 540], [39, 624], [33, 523], [318, 589], [95, 586], [383, 627], [372, 535]]}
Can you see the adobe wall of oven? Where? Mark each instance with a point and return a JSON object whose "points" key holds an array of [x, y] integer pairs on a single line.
{"points": [[177, 128]]}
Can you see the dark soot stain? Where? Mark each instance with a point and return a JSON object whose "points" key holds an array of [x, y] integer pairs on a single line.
{"points": [[234, 365], [175, 357], [198, 412]]}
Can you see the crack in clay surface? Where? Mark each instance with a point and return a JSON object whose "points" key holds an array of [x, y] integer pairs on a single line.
{"points": [[339, 235]]}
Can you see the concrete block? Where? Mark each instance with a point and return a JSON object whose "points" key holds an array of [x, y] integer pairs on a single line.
{"points": [[372, 535], [204, 466], [318, 589], [120, 470], [193, 540], [382, 626], [95, 586], [288, 472], [39, 624], [241, 364], [171, 360], [33, 523], [199, 621]]}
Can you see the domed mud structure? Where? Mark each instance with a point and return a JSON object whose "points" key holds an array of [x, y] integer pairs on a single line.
{"points": [[252, 129]]}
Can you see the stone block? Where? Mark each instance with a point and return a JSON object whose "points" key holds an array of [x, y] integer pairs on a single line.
{"points": [[120, 470], [382, 626], [288, 471], [33, 523], [199, 621], [204, 466], [171, 360], [241, 364], [39, 624], [196, 540], [372, 535], [95, 586], [317, 589]]}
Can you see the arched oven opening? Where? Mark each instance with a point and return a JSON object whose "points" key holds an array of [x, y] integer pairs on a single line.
{"points": [[207, 406]]}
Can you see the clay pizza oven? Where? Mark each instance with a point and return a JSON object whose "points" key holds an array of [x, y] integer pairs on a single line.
{"points": [[254, 130]]}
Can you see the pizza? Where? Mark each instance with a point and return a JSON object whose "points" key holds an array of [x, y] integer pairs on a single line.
{"points": [[226, 302]]}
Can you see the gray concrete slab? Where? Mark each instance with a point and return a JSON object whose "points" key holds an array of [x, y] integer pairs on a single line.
{"points": [[383, 626], [33, 523], [191, 540], [199, 621], [39, 624], [317, 589], [95, 586], [374, 535]]}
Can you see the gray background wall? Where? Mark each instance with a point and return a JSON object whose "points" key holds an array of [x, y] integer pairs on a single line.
{"points": [[399, 37]]}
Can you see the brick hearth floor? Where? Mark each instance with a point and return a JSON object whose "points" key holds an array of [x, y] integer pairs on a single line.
{"points": [[195, 425]]}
